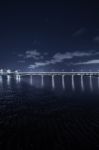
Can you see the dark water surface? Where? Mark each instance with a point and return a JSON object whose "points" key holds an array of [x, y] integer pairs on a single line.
{"points": [[33, 117]]}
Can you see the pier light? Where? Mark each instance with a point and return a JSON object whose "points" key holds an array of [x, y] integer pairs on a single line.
{"points": [[1, 71], [16, 72], [8, 71]]}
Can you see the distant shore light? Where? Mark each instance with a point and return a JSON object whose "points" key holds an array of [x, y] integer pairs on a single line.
{"points": [[8, 71], [16, 72]]}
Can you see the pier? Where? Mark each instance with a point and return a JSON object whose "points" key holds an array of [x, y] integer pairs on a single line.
{"points": [[18, 75]]}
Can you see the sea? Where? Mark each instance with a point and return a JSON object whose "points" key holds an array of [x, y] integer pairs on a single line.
{"points": [[38, 114]]}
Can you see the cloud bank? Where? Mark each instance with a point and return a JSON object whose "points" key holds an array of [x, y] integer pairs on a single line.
{"points": [[34, 54], [44, 59], [79, 32], [59, 58], [96, 39], [95, 61]]}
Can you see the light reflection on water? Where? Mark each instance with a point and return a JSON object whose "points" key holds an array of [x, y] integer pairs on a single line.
{"points": [[8, 80], [63, 81], [70, 83], [98, 82], [32, 104], [53, 82], [42, 80], [73, 83], [31, 80], [91, 84], [82, 83], [0, 80], [18, 78]]}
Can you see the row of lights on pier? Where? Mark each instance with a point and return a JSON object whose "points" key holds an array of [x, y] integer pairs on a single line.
{"points": [[7, 71]]}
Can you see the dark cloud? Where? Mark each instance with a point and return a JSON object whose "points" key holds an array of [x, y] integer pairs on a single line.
{"points": [[79, 32], [59, 58], [89, 62], [96, 39], [21, 61]]}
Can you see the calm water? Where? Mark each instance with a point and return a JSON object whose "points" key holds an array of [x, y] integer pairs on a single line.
{"points": [[36, 114]]}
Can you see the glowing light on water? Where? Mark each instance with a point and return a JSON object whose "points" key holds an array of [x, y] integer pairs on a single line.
{"points": [[82, 83], [18, 78], [42, 80], [53, 82], [1, 80], [91, 85], [8, 79], [98, 82], [63, 81], [1, 71], [73, 83], [31, 80]]}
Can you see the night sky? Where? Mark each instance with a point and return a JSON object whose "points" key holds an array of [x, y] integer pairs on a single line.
{"points": [[49, 35]]}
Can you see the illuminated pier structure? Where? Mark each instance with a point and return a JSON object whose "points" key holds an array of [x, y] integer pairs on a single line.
{"points": [[19, 75]]}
